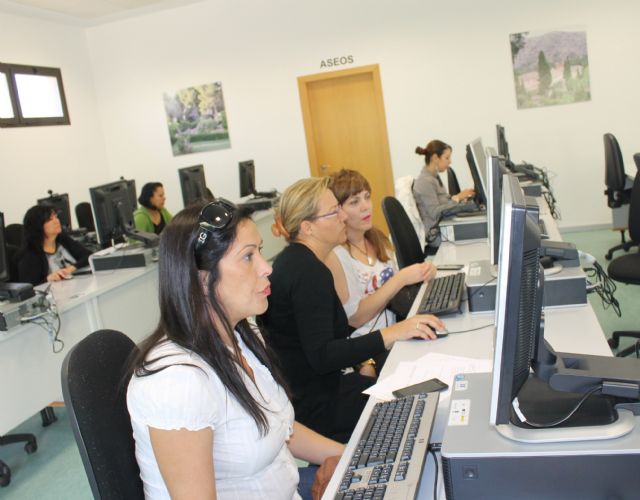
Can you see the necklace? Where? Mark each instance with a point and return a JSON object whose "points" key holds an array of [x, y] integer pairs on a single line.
{"points": [[364, 252]]}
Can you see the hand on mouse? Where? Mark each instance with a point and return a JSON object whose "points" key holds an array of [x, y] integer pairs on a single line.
{"points": [[421, 326]]}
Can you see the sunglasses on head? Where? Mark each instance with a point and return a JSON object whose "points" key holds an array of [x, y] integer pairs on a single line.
{"points": [[214, 215]]}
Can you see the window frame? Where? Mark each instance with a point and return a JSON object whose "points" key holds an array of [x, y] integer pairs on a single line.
{"points": [[10, 71]]}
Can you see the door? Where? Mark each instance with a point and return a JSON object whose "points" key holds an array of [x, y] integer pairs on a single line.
{"points": [[345, 127]]}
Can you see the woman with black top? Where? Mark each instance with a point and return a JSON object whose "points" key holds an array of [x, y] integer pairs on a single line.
{"points": [[306, 323], [48, 254]]}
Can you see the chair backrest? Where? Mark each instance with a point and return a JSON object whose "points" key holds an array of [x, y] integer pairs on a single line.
{"points": [[404, 237], [614, 176], [94, 392], [452, 180], [634, 205], [13, 234], [12, 259], [404, 194], [85, 216]]}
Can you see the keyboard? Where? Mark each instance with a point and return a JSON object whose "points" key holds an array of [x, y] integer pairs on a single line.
{"points": [[443, 295], [391, 451], [258, 203]]}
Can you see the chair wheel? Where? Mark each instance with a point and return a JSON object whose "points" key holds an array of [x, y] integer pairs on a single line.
{"points": [[608, 256], [31, 447], [5, 474]]}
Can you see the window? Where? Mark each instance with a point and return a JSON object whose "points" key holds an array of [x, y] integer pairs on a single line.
{"points": [[31, 95]]}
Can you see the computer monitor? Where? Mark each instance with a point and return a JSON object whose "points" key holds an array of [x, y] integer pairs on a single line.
{"points": [[131, 186], [4, 260], [60, 203], [477, 165], [113, 211], [193, 184], [503, 145], [496, 168], [560, 380], [247, 175]]}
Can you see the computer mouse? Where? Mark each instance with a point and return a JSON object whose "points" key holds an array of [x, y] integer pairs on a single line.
{"points": [[68, 276], [442, 333]]}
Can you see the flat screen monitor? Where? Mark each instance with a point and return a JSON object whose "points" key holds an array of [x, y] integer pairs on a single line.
{"points": [[496, 168], [193, 185], [247, 173], [4, 260], [131, 186], [60, 203], [477, 166], [113, 211], [503, 145]]}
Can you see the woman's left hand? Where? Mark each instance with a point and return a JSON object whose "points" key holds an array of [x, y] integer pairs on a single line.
{"points": [[368, 370]]}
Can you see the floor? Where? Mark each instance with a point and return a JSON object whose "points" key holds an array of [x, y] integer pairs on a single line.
{"points": [[55, 471]]}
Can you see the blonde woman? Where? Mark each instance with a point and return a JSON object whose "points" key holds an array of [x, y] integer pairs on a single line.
{"points": [[305, 320]]}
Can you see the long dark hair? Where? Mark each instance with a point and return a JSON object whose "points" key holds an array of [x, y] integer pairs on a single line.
{"points": [[185, 308], [33, 222]]}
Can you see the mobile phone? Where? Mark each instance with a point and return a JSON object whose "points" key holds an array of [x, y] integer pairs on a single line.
{"points": [[450, 267], [431, 385]]}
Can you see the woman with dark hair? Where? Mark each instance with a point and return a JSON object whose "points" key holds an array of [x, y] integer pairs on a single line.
{"points": [[151, 217], [306, 323], [47, 253], [364, 273], [209, 410], [432, 199]]}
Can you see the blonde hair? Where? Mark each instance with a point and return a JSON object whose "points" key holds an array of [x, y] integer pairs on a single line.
{"points": [[347, 183], [298, 203]]}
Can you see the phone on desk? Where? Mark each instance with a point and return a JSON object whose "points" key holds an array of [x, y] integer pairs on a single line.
{"points": [[449, 267], [431, 385]]}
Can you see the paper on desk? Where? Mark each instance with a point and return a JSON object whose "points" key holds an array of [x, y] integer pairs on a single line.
{"points": [[431, 365]]}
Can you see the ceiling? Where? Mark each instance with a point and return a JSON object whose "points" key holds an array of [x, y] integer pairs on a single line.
{"points": [[87, 12]]}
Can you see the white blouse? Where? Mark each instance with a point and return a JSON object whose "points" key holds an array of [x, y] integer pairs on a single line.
{"points": [[247, 465], [363, 280]]}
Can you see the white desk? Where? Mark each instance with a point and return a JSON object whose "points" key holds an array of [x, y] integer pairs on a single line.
{"points": [[125, 300]]}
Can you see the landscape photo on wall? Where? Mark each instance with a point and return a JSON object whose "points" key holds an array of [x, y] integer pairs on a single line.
{"points": [[550, 67]]}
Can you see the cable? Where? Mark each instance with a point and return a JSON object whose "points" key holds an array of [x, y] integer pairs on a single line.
{"points": [[473, 329], [516, 407], [478, 289], [605, 287], [433, 450]]}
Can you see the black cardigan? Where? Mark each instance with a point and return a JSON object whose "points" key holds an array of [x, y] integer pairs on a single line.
{"points": [[33, 266], [308, 329]]}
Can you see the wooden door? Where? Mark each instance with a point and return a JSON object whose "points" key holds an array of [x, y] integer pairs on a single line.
{"points": [[345, 127]]}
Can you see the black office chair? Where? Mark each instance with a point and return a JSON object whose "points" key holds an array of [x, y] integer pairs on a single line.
{"points": [[95, 393], [12, 260], [626, 268], [615, 180], [452, 180], [404, 237], [85, 216], [13, 234]]}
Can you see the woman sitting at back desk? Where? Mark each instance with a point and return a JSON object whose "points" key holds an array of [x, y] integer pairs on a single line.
{"points": [[432, 199], [151, 217]]}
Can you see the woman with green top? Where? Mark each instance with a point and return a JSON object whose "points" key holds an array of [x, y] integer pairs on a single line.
{"points": [[151, 217]]}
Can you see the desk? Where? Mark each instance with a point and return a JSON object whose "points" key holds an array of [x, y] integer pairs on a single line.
{"points": [[124, 300], [567, 330]]}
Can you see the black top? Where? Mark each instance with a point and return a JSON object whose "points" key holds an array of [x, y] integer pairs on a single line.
{"points": [[157, 228], [307, 328], [33, 266]]}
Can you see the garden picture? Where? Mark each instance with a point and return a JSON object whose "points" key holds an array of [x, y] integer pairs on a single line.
{"points": [[550, 68], [197, 119]]}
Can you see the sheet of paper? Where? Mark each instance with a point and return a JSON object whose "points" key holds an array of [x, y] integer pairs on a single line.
{"points": [[431, 365]]}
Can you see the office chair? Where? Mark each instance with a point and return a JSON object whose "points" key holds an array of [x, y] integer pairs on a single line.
{"points": [[12, 260], [404, 237], [452, 180], [30, 447], [85, 216], [618, 190], [626, 268], [94, 390], [13, 234]]}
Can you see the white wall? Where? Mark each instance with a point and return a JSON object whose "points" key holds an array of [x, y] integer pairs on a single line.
{"points": [[62, 158], [446, 73]]}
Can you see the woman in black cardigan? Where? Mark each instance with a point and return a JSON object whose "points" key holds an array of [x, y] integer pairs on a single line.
{"points": [[306, 323], [48, 254]]}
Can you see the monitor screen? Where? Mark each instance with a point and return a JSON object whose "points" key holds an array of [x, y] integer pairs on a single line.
{"points": [[193, 185], [503, 145], [477, 166], [518, 301], [60, 203], [131, 186], [496, 168], [247, 172], [112, 210], [4, 260]]}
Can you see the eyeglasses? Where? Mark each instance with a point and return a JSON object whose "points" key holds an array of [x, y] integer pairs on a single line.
{"points": [[214, 215], [333, 213]]}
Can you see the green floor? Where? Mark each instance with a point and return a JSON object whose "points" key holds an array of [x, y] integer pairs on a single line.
{"points": [[55, 471]]}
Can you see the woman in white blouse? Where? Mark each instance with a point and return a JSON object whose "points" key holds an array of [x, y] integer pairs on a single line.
{"points": [[363, 270], [210, 414]]}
